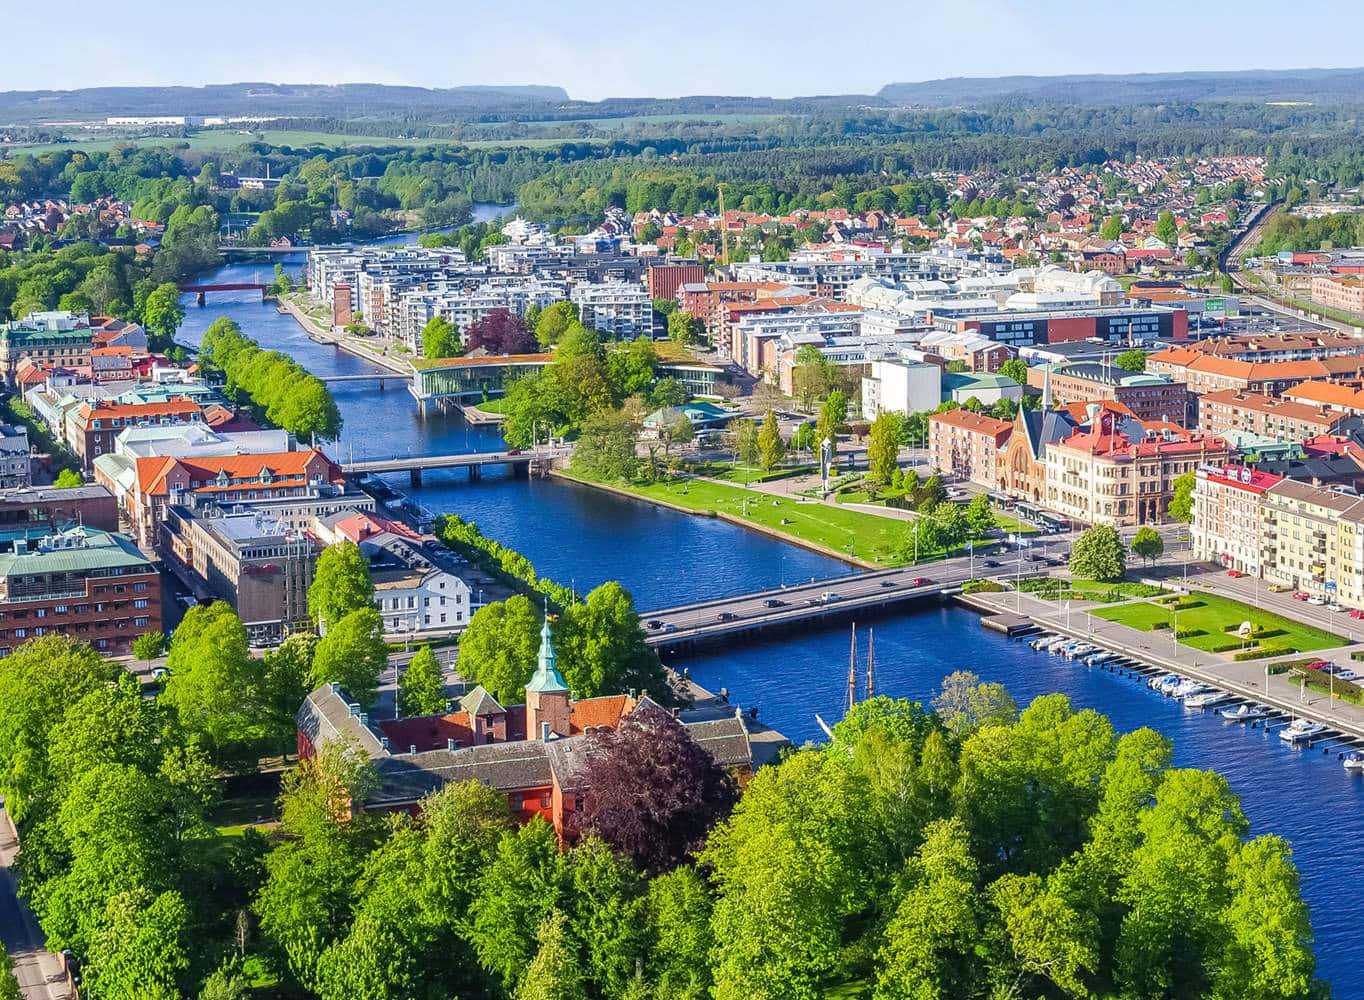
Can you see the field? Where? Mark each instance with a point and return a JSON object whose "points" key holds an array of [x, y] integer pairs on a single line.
{"points": [[1212, 615], [619, 124]]}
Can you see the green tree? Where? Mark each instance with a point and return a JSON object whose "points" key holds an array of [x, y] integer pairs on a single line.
{"points": [[814, 375], [286, 676], [554, 321], [1148, 544], [678, 909], [499, 647], [226, 984], [771, 447], [667, 392], [602, 648], [965, 704], [1098, 554], [149, 645], [1016, 369], [341, 583], [665, 307], [883, 447], [422, 690], [68, 479], [353, 653], [1167, 231], [980, 516], [606, 449], [684, 328], [922, 537], [214, 681], [9, 986], [554, 973], [1181, 503], [440, 339], [743, 434], [162, 315], [1112, 228], [141, 948], [1132, 361], [951, 521]]}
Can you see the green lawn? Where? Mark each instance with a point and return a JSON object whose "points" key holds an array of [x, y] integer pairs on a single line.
{"points": [[1051, 588], [1212, 614], [496, 405], [865, 536]]}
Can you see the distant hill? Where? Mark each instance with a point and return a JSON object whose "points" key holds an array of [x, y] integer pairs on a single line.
{"points": [[266, 99], [1323, 85]]}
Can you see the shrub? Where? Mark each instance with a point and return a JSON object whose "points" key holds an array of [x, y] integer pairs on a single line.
{"points": [[982, 587], [1158, 625], [1260, 652], [1189, 633], [1227, 647]]}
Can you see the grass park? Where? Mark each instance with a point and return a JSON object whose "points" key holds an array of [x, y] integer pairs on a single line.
{"points": [[1214, 620]]}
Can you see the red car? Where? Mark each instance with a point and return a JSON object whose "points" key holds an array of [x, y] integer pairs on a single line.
{"points": [[1235, 574], [922, 581], [1357, 613], [1299, 595], [1318, 664]]}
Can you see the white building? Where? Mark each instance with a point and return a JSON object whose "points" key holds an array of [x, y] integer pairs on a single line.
{"points": [[621, 309], [14, 457], [901, 387]]}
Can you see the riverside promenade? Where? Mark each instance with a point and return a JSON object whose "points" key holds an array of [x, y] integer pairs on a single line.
{"points": [[1248, 678]]}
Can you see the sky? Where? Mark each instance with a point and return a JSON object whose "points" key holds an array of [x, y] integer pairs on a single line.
{"points": [[646, 48]]}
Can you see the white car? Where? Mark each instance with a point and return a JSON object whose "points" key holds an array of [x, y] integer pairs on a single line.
{"points": [[1316, 599], [1333, 606]]}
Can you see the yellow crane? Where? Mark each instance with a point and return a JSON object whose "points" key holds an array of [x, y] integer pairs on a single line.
{"points": [[724, 226]]}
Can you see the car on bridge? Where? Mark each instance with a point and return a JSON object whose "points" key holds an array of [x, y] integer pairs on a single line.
{"points": [[728, 616], [654, 624], [773, 602], [830, 596], [922, 581]]}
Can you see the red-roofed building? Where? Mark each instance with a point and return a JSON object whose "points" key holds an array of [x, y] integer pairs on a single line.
{"points": [[1226, 515], [224, 479], [1099, 476], [967, 445], [94, 426]]}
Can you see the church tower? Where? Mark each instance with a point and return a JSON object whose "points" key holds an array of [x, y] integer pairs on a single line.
{"points": [[546, 694]]}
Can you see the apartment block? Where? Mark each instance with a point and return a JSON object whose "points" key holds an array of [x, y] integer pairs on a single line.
{"points": [[1227, 513], [967, 445], [1272, 416]]}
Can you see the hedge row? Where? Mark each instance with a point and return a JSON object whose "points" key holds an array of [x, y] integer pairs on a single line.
{"points": [[1260, 652], [510, 566]]}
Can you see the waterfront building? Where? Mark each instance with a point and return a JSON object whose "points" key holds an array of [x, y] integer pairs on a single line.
{"points": [[1271, 416], [1311, 540], [967, 445], [1148, 397], [1100, 476], [92, 585], [760, 332], [464, 304], [532, 753], [619, 309], [1022, 463], [254, 562], [707, 301], [1227, 515]]}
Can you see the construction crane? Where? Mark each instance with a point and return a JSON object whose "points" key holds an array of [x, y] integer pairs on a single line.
{"points": [[724, 226]]}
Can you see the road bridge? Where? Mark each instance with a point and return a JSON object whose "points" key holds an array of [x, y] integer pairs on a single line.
{"points": [[380, 377], [681, 628], [199, 291], [414, 465]]}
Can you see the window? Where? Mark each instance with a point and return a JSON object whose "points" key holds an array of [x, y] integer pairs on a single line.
{"points": [[141, 603], [20, 633], [140, 622]]}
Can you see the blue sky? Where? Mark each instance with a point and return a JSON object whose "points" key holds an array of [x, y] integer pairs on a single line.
{"points": [[650, 48]]}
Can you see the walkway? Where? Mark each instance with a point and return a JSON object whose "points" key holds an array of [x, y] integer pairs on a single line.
{"points": [[41, 974]]}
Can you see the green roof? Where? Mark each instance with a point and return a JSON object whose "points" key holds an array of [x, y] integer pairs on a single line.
{"points": [[75, 550]]}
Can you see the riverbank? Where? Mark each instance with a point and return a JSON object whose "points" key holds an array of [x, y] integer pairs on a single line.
{"points": [[323, 334]]}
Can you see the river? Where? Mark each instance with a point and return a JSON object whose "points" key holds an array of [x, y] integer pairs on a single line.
{"points": [[583, 537]]}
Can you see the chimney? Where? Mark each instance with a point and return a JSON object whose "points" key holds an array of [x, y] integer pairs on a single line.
{"points": [[544, 732], [412, 749]]}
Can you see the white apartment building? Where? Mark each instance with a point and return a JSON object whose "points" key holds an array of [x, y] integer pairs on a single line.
{"points": [[621, 309], [464, 306], [901, 387], [1227, 515]]}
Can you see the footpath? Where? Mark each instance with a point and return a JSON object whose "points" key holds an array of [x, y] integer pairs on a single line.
{"points": [[351, 345], [41, 974]]}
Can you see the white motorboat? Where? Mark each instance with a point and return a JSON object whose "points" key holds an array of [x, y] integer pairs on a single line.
{"points": [[1082, 650], [1244, 712], [1056, 643], [1353, 761], [1207, 699], [1102, 656], [1301, 731], [1167, 684], [1041, 641], [1185, 688]]}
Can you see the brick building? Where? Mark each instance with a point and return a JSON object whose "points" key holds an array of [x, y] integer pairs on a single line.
{"points": [[533, 753], [664, 280], [1226, 515], [1344, 292], [1204, 373], [93, 426], [1149, 397], [1272, 416], [92, 585], [967, 445], [39, 509]]}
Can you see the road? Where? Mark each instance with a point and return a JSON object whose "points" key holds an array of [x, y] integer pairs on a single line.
{"points": [[41, 974], [806, 600]]}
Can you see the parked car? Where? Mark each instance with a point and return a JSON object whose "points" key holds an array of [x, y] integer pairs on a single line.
{"points": [[1333, 606], [1277, 588], [1300, 595], [1357, 613], [1235, 574], [1318, 664], [1316, 599]]}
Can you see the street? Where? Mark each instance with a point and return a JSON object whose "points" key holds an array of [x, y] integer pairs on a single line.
{"points": [[41, 974]]}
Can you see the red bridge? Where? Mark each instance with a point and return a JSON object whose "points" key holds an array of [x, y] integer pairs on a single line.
{"points": [[201, 290]]}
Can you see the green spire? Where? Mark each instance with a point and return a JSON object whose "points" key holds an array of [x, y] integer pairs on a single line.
{"points": [[547, 677]]}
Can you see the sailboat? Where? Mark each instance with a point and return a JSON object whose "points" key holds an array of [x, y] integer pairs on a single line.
{"points": [[852, 675]]}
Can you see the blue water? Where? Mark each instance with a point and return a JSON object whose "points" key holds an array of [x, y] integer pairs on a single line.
{"points": [[583, 537]]}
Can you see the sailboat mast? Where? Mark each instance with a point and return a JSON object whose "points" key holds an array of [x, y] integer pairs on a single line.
{"points": [[852, 669], [871, 660]]}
